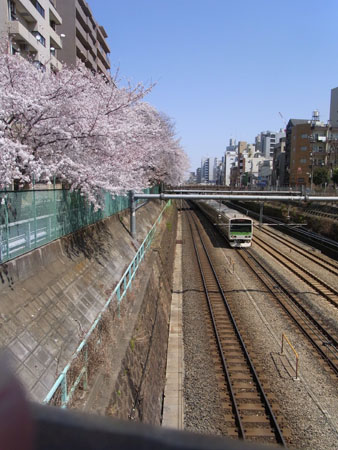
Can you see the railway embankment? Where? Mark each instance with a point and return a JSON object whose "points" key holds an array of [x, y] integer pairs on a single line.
{"points": [[51, 296]]}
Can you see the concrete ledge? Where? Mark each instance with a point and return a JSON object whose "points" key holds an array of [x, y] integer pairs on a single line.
{"points": [[62, 430], [173, 409]]}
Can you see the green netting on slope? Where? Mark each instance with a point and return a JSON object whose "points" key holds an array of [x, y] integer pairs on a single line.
{"points": [[29, 219]]}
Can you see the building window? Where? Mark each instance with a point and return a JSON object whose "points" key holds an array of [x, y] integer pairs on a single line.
{"points": [[38, 7], [38, 64], [300, 180], [12, 8], [304, 136], [303, 148], [303, 161], [39, 38]]}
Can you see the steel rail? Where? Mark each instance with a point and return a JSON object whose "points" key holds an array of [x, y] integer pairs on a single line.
{"points": [[301, 272], [218, 340], [327, 265], [325, 244], [294, 303], [300, 310], [273, 421]]}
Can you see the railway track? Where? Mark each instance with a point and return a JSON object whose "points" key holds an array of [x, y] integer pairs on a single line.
{"points": [[325, 245], [323, 341], [250, 415], [320, 286], [331, 266]]}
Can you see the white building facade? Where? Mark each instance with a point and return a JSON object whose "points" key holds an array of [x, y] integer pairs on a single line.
{"points": [[31, 29]]}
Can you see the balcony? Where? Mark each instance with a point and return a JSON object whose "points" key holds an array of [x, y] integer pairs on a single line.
{"points": [[53, 14], [28, 11], [55, 63], [57, 43], [91, 59], [20, 33], [103, 57], [102, 68], [81, 48], [80, 30], [80, 12], [102, 41]]}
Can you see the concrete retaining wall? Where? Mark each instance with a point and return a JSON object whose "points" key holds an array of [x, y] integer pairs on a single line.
{"points": [[50, 297], [130, 382]]}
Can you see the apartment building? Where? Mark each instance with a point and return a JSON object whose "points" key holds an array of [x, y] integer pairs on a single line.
{"points": [[278, 165], [30, 26], [313, 145], [85, 39]]}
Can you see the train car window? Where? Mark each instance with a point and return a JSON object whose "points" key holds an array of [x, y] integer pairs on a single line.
{"points": [[240, 226]]}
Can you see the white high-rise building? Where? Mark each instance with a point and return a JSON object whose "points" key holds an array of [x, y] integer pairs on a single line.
{"points": [[230, 160], [209, 170], [268, 141], [31, 29]]}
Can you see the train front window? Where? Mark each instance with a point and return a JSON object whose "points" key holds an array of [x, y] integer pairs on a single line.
{"points": [[240, 226]]}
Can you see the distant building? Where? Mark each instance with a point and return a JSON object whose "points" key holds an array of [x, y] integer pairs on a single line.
{"points": [[241, 147], [31, 29], [232, 145], [264, 173], [268, 141], [313, 144], [288, 146], [252, 164], [278, 165], [198, 175], [334, 108], [258, 143], [192, 178], [85, 39], [230, 159], [209, 170]]}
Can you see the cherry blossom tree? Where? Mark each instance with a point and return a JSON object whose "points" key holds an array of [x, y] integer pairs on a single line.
{"points": [[82, 129]]}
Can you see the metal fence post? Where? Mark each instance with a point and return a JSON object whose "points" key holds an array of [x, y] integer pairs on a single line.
{"points": [[132, 214], [7, 226], [64, 391], [34, 209]]}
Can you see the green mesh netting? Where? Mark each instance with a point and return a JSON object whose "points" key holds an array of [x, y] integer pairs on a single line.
{"points": [[29, 219]]}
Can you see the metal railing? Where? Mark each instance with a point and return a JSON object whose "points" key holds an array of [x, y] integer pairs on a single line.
{"points": [[119, 292], [30, 219]]}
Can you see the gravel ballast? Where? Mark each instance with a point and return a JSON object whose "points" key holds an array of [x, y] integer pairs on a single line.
{"points": [[308, 405]]}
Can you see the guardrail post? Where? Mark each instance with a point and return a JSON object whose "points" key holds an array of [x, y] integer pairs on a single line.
{"points": [[132, 214]]}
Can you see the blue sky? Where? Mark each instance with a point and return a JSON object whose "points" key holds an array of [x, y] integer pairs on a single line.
{"points": [[226, 68]]}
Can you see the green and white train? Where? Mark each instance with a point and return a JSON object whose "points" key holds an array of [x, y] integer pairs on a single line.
{"points": [[235, 227]]}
